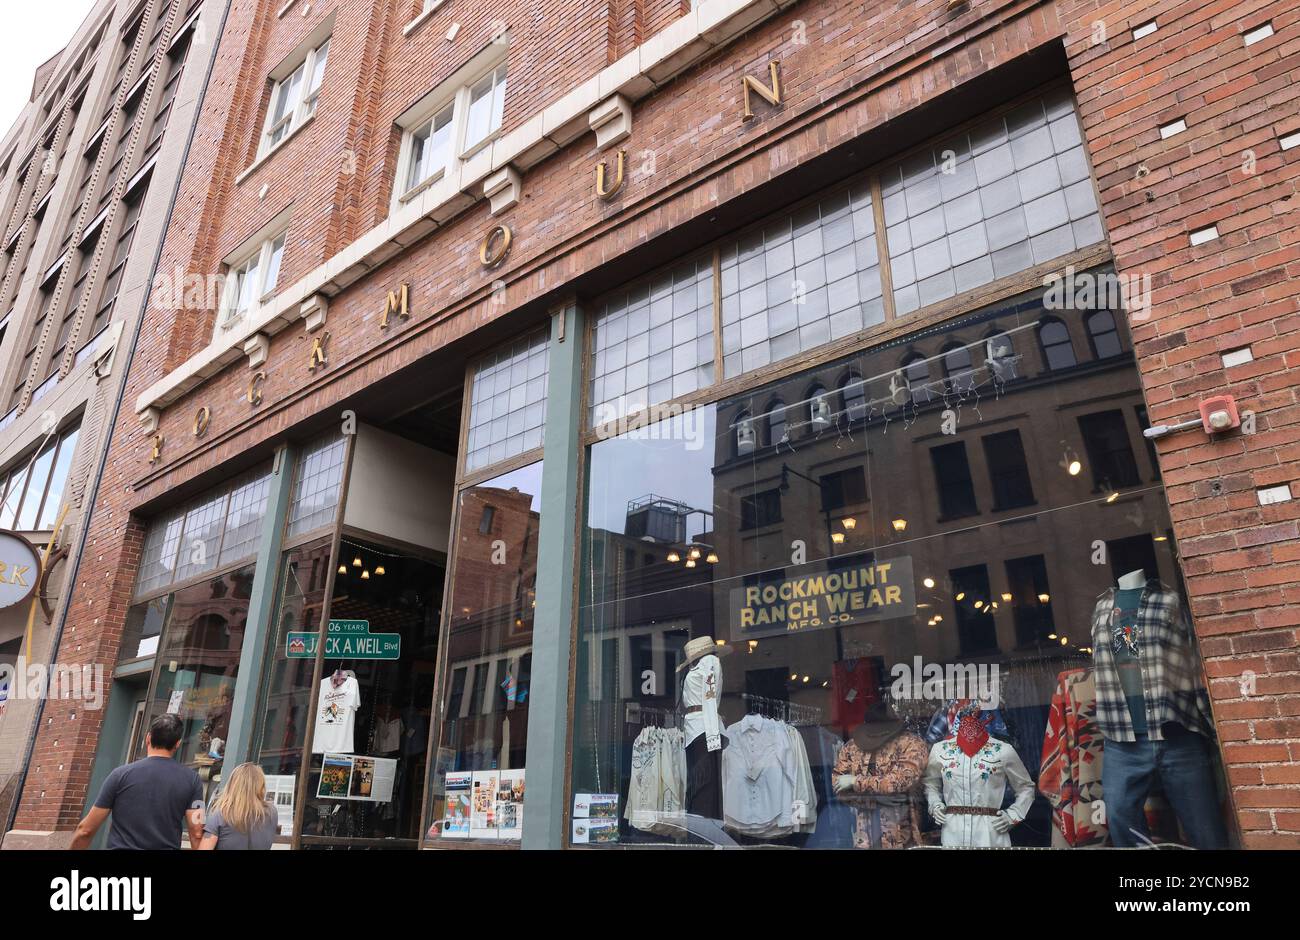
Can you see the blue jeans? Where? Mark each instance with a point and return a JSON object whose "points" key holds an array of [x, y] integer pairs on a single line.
{"points": [[1182, 762]]}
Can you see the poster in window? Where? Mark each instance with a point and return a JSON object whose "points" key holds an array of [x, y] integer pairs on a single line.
{"points": [[509, 809], [335, 777], [455, 820], [483, 795]]}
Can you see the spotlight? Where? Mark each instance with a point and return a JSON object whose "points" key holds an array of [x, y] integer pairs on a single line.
{"points": [[928, 582]]}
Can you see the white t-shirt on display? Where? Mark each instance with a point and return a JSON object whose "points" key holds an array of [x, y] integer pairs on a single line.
{"points": [[336, 716]]}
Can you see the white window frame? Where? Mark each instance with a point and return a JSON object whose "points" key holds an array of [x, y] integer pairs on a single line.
{"points": [[308, 67], [454, 94], [256, 257]]}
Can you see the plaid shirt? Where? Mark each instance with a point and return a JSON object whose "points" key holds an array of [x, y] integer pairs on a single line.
{"points": [[1171, 669]]}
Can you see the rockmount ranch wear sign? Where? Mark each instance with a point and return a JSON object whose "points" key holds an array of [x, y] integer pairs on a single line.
{"points": [[817, 597], [345, 639], [20, 569]]}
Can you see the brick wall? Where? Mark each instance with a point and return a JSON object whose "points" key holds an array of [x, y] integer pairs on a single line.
{"points": [[861, 66], [1241, 560]]}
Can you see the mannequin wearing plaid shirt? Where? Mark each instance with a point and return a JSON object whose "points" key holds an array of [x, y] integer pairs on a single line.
{"points": [[1174, 747]]}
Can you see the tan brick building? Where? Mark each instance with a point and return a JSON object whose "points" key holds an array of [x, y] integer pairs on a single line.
{"points": [[419, 247]]}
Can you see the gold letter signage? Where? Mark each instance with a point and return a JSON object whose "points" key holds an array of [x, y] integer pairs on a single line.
{"points": [[397, 303], [610, 191], [202, 418], [495, 247], [155, 454], [318, 351], [20, 567], [255, 388], [771, 95]]}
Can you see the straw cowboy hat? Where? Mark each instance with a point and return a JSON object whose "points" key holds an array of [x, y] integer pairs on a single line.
{"points": [[700, 647]]}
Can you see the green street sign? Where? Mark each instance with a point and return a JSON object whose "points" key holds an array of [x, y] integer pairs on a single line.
{"points": [[345, 639]]}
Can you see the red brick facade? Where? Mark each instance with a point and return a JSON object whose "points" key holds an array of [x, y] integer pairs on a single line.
{"points": [[848, 69]]}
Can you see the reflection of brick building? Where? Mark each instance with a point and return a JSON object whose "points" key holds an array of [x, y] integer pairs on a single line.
{"points": [[490, 623], [991, 512]]}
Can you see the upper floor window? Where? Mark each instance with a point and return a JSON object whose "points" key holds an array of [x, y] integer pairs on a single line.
{"points": [[1000, 356], [854, 391], [293, 98], [487, 105], [1104, 334], [251, 279], [430, 148], [916, 376], [1058, 351], [454, 121]]}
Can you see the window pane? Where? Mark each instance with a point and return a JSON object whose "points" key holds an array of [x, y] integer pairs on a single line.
{"points": [[201, 645], [507, 413], [653, 342], [319, 477], [40, 475], [483, 735], [273, 266], [322, 56], [59, 480], [887, 584], [988, 203], [485, 107]]}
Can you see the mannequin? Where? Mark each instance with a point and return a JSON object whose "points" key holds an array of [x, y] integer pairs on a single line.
{"points": [[965, 781], [1153, 712], [701, 729], [878, 773]]}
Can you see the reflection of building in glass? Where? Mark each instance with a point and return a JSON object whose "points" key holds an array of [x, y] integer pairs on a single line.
{"points": [[489, 660]]}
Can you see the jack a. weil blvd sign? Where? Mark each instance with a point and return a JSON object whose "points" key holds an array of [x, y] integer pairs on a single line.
{"points": [[20, 568], [345, 639]]}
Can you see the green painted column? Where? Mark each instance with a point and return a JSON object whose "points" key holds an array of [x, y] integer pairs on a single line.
{"points": [[548, 698], [261, 608]]}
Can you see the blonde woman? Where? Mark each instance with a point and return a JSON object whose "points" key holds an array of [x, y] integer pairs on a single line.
{"points": [[240, 817]]}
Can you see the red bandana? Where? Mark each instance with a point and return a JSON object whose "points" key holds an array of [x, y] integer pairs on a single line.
{"points": [[973, 734]]}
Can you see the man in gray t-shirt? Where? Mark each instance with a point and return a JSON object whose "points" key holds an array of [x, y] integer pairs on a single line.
{"points": [[151, 799]]}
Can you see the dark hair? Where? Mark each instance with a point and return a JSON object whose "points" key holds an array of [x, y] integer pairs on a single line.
{"points": [[165, 732]]}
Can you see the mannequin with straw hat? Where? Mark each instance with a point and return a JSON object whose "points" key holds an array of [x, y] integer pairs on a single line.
{"points": [[701, 727]]}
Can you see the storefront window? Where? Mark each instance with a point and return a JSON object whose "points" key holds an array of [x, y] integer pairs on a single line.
{"points": [[939, 612], [198, 666], [367, 754], [476, 774], [287, 676]]}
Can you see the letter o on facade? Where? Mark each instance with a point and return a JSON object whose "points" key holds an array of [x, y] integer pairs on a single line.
{"points": [[495, 246]]}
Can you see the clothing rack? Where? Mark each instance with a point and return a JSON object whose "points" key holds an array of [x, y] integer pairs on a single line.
{"points": [[637, 714], [782, 709]]}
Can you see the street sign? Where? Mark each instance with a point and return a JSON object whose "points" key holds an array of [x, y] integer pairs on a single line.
{"points": [[345, 639]]}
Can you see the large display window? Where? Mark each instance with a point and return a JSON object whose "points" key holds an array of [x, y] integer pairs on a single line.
{"points": [[198, 665], [476, 772], [926, 594]]}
